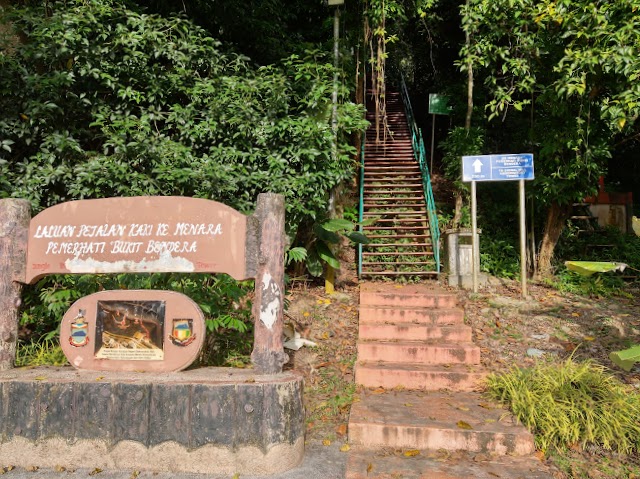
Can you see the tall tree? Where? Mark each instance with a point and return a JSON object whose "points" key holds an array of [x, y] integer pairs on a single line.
{"points": [[568, 71]]}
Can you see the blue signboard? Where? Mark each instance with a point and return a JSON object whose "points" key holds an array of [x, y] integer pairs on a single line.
{"points": [[497, 167]]}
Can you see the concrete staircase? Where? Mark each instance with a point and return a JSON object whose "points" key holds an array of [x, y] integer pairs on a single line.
{"points": [[393, 193], [420, 370], [413, 337]]}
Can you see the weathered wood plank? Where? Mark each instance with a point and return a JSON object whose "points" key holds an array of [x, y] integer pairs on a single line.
{"points": [[268, 355], [14, 233]]}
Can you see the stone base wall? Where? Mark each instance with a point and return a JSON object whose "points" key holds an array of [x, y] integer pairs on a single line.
{"points": [[209, 420]]}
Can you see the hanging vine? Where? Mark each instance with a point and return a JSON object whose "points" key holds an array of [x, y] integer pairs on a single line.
{"points": [[376, 38]]}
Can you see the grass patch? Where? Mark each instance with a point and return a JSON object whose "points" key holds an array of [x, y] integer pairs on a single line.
{"points": [[44, 353], [571, 404]]}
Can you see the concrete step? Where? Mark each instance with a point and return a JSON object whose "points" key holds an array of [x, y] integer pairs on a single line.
{"points": [[436, 420], [414, 332], [419, 352], [419, 314], [426, 377], [383, 294], [385, 463]]}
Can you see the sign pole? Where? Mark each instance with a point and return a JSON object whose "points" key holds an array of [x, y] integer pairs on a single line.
{"points": [[474, 237], [433, 140], [523, 239]]}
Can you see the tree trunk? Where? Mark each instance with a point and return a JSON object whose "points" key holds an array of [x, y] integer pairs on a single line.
{"points": [[457, 215], [557, 216]]}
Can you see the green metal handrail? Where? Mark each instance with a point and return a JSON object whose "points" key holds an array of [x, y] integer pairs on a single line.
{"points": [[421, 156], [361, 204]]}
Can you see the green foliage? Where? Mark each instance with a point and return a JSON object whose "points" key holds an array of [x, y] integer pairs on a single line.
{"points": [[499, 257], [626, 358], [43, 353], [600, 245], [222, 299], [100, 100], [104, 101], [327, 236], [459, 143], [571, 404], [567, 71]]}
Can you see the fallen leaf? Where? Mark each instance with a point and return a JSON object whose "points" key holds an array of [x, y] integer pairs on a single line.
{"points": [[135, 474], [31, 468], [306, 314], [326, 442], [345, 448], [575, 315], [589, 338], [99, 378], [369, 468], [489, 421], [10, 468], [341, 430], [540, 455], [408, 404], [40, 378], [379, 391], [464, 425], [463, 408], [411, 453], [485, 405], [236, 476], [59, 468], [97, 470]]}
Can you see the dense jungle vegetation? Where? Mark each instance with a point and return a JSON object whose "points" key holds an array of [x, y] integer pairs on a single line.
{"points": [[224, 100]]}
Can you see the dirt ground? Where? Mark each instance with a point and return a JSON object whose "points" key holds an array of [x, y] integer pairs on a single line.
{"points": [[511, 331]]}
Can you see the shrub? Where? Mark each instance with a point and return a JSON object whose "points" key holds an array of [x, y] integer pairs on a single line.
{"points": [[571, 404]]}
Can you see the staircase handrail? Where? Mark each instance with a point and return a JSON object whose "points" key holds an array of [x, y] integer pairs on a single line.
{"points": [[361, 202], [421, 156]]}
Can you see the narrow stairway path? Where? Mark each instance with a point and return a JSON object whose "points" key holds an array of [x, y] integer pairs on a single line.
{"points": [[419, 414], [393, 193]]}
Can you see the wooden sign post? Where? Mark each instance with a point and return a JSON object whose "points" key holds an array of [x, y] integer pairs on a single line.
{"points": [[14, 229]]}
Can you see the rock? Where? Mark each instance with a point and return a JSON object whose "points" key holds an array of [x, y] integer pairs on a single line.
{"points": [[540, 337], [535, 353]]}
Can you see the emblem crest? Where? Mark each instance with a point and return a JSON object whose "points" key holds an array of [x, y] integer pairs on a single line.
{"points": [[79, 330], [182, 333]]}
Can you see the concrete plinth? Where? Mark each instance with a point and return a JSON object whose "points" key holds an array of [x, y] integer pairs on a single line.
{"points": [[209, 420]]}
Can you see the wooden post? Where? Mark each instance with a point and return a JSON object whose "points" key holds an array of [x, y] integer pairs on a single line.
{"points": [[14, 235], [268, 354]]}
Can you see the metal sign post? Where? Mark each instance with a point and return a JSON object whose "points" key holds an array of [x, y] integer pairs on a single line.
{"points": [[438, 105], [510, 167]]}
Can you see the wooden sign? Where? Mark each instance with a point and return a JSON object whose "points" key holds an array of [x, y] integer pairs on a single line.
{"points": [[133, 330], [137, 235]]}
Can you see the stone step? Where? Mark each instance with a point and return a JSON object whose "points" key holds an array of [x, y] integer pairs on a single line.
{"points": [[380, 463], [414, 332], [426, 377], [394, 314], [419, 352], [436, 420], [381, 294]]}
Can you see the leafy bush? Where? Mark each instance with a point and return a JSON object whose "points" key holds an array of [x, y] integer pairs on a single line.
{"points": [[223, 300], [571, 404], [499, 257], [100, 100]]}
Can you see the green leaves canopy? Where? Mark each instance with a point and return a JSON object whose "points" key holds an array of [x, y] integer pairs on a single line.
{"points": [[100, 100], [571, 67]]}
